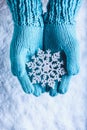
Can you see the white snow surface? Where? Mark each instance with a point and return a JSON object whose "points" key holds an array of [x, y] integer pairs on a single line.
{"points": [[19, 111]]}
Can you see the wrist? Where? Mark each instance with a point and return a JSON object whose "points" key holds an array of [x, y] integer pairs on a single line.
{"points": [[62, 11], [27, 12]]}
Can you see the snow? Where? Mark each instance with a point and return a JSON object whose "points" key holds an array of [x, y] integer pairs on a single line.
{"points": [[19, 111]]}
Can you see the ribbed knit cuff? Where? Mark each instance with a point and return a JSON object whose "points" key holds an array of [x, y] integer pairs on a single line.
{"points": [[26, 12], [62, 11]]}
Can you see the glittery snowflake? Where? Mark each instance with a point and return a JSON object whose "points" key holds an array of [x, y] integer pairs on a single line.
{"points": [[45, 68]]}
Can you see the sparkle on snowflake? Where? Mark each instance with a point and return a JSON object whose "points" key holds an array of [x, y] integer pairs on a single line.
{"points": [[45, 68]]}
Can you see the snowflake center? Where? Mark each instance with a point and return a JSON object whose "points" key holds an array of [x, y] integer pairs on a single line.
{"points": [[46, 68]]}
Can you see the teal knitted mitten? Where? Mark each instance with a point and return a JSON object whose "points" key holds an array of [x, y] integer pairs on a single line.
{"points": [[27, 38], [60, 35]]}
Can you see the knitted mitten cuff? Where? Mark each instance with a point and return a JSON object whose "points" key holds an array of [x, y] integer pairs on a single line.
{"points": [[62, 11], [26, 12]]}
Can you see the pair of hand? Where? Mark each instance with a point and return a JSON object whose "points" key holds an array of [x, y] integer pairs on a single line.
{"points": [[27, 38]]}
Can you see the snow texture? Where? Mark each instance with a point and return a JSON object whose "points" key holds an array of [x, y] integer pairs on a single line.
{"points": [[19, 111]]}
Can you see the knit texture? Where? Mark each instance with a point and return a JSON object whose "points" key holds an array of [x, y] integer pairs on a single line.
{"points": [[63, 37], [26, 12], [62, 11], [27, 38], [60, 35]]}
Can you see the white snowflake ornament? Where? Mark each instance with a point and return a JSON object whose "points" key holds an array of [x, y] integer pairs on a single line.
{"points": [[45, 68]]}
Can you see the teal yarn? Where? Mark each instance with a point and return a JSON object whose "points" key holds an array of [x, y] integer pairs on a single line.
{"points": [[27, 38], [60, 35], [62, 11], [21, 49], [26, 12]]}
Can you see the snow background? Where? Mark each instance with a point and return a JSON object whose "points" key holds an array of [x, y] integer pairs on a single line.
{"points": [[19, 111]]}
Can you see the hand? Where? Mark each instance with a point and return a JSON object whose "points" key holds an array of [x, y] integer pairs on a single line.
{"points": [[60, 35], [27, 38], [25, 43], [56, 39]]}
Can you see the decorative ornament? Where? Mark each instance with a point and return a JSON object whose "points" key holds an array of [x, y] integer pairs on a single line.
{"points": [[45, 68]]}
